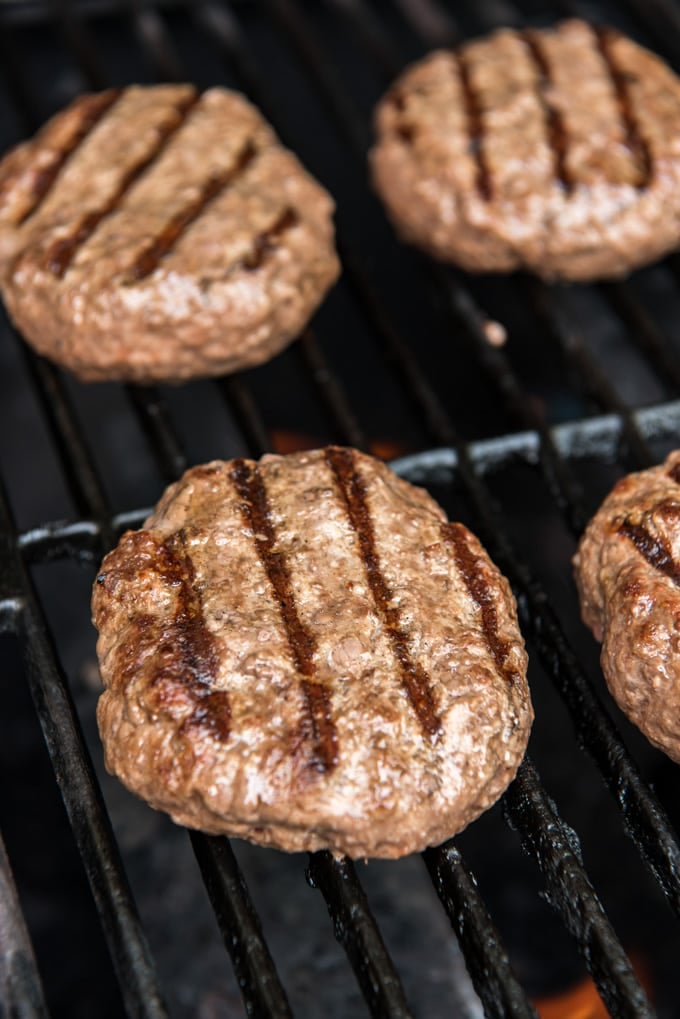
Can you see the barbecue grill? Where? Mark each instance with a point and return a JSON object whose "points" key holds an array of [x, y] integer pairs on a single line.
{"points": [[102, 907]]}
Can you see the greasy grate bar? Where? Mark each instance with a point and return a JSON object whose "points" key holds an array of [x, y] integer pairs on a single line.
{"points": [[528, 807]]}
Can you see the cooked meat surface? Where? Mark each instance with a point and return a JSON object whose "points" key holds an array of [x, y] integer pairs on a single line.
{"points": [[159, 234], [303, 652], [628, 576], [553, 150]]}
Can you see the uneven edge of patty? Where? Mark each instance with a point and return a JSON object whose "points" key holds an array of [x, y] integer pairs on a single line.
{"points": [[180, 321], [175, 774], [628, 585], [604, 232]]}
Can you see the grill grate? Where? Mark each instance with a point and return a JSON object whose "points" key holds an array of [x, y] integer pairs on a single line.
{"points": [[309, 48]]}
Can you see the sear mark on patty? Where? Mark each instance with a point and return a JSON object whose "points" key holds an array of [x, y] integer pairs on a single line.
{"points": [[470, 566], [61, 253], [318, 725], [415, 680]]}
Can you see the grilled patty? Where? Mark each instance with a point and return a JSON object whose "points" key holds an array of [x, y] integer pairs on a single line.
{"points": [[305, 653], [628, 576], [159, 234], [552, 150]]}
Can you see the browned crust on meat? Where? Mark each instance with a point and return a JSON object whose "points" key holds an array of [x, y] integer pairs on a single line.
{"points": [[158, 234], [248, 593], [551, 150], [628, 574]]}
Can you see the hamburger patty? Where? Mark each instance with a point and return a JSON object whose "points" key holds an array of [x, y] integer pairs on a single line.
{"points": [[159, 234], [305, 653], [553, 150], [628, 575]]}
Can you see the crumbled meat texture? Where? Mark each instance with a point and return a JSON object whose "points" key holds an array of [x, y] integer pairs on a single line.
{"points": [[303, 652], [553, 150], [628, 575], [155, 234]]}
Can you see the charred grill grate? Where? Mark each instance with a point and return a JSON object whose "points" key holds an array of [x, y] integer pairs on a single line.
{"points": [[529, 433]]}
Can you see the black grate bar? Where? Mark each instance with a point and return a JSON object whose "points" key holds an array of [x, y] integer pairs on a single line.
{"points": [[21, 993], [79, 41], [555, 847], [331, 91], [398, 353], [333, 397], [593, 380], [246, 413], [357, 932], [240, 928], [556, 472], [155, 41], [644, 332], [487, 961], [154, 417], [82, 796], [85, 486]]}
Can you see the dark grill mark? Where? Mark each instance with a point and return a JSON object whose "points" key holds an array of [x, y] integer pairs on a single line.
{"points": [[149, 257], [475, 127], [654, 550], [635, 143], [318, 725], [265, 241], [470, 567], [182, 651], [415, 680], [91, 109], [674, 473], [557, 134], [60, 254]]}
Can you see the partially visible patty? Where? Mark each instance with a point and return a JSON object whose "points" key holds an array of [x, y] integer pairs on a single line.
{"points": [[155, 233], [554, 150], [305, 653], [628, 576]]}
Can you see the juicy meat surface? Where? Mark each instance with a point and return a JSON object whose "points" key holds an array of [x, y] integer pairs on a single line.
{"points": [[158, 234], [555, 150], [628, 575], [303, 652]]}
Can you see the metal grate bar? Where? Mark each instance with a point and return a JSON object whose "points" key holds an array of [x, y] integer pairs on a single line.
{"points": [[644, 332], [488, 964], [155, 41], [86, 488], [21, 992], [332, 395], [556, 472], [79, 41], [357, 932], [154, 417], [555, 847], [591, 377], [240, 927], [81, 794]]}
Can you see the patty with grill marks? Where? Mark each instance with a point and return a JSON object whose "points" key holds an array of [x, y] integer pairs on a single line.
{"points": [[554, 150], [303, 652], [628, 575], [158, 234]]}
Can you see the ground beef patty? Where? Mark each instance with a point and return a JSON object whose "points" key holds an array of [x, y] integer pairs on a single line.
{"points": [[553, 150], [628, 576], [159, 234], [303, 652]]}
